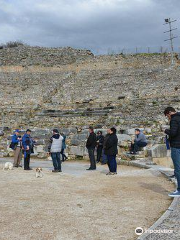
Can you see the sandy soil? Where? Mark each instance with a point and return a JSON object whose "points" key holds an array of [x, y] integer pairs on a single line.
{"points": [[83, 206]]}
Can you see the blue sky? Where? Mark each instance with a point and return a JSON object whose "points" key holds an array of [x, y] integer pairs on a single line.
{"points": [[98, 25]]}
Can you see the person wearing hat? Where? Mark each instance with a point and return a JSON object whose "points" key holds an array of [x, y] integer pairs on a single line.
{"points": [[17, 147], [55, 148], [27, 144]]}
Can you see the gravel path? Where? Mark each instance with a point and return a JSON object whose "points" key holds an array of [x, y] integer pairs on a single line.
{"points": [[78, 204]]}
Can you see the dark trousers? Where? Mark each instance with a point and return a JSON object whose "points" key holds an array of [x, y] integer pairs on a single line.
{"points": [[104, 158], [56, 160], [26, 160], [63, 155], [99, 153], [112, 164], [175, 155], [135, 146], [92, 158]]}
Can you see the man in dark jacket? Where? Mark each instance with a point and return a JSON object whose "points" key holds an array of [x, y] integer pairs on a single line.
{"points": [[28, 144], [174, 138], [110, 149], [100, 142], [90, 145]]}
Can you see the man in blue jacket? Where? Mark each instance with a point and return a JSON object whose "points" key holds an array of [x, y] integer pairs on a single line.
{"points": [[27, 143], [17, 147]]}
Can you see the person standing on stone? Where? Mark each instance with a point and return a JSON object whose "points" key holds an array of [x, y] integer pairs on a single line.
{"points": [[100, 142], [139, 141], [111, 151], [174, 139], [64, 158], [27, 145], [55, 149], [16, 145], [90, 145]]}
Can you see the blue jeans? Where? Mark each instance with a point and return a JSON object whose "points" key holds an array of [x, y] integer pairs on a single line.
{"points": [[112, 164], [175, 155], [56, 160], [104, 158], [135, 147]]}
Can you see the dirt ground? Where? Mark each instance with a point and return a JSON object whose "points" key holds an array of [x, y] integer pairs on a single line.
{"points": [[81, 206]]}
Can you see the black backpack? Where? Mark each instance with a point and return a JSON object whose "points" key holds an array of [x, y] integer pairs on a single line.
{"points": [[12, 145]]}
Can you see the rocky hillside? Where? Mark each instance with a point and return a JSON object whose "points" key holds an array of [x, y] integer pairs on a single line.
{"points": [[68, 88]]}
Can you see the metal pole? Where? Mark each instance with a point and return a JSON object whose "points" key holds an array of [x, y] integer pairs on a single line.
{"points": [[171, 39], [169, 21]]}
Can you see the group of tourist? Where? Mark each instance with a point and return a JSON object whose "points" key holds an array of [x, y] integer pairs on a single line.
{"points": [[25, 145], [106, 147]]}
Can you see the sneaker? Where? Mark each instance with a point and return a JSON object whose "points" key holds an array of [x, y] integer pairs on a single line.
{"points": [[174, 194], [54, 170]]}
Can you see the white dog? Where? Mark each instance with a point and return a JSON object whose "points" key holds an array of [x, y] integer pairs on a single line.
{"points": [[8, 166], [39, 173]]}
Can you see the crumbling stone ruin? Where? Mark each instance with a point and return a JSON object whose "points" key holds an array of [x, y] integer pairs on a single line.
{"points": [[43, 88]]}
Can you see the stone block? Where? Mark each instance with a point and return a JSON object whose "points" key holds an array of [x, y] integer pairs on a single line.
{"points": [[75, 142], [78, 139], [130, 131], [163, 161], [77, 151], [85, 131], [81, 137], [1, 133], [40, 142], [39, 149], [148, 130], [68, 131], [123, 137], [158, 151]]}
